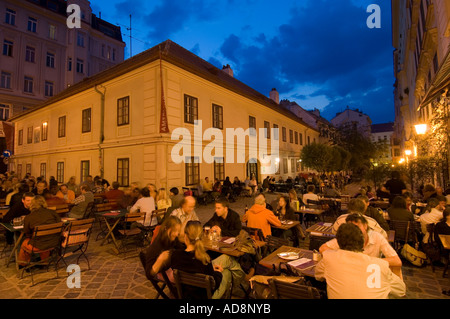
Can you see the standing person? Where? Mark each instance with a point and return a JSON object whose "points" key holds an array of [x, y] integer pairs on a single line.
{"points": [[39, 215], [81, 202], [395, 185], [186, 212], [258, 216], [65, 193], [145, 204], [225, 220], [346, 270]]}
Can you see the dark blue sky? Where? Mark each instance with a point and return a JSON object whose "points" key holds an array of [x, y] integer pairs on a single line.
{"points": [[319, 53]]}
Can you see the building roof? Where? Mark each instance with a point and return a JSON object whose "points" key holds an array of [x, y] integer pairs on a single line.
{"points": [[383, 127], [177, 55]]}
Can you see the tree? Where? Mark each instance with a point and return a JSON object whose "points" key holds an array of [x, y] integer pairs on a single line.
{"points": [[316, 156]]}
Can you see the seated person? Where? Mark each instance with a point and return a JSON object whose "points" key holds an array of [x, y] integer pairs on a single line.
{"points": [[145, 204], [194, 259], [225, 220], [358, 206], [331, 191], [374, 243], [433, 216], [176, 197], [443, 228], [258, 216], [164, 201], [65, 193], [398, 210], [345, 270], [310, 194], [115, 194], [284, 209], [185, 213], [81, 202], [39, 215], [374, 213]]}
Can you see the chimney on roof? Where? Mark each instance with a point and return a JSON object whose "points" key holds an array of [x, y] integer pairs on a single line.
{"points": [[316, 112], [275, 96], [227, 69]]}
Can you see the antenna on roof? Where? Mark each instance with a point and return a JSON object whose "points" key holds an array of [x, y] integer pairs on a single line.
{"points": [[131, 48]]}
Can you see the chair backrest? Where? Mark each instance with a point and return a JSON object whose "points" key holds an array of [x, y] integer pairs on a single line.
{"points": [[273, 243], [288, 290], [401, 230], [88, 210], [196, 280], [78, 232], [158, 214], [48, 230], [103, 207], [255, 233], [134, 217]]}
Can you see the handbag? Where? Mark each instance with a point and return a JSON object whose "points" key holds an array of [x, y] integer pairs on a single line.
{"points": [[411, 254]]}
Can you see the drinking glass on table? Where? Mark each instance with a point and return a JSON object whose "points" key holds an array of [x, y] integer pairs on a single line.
{"points": [[207, 229]]}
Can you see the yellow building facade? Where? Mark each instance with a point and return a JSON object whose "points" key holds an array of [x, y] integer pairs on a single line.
{"points": [[110, 124]]}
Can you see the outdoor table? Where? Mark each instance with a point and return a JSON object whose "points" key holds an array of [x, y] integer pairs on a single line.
{"points": [[312, 211], [287, 224], [380, 203], [319, 234], [309, 268], [115, 216], [226, 246], [18, 235]]}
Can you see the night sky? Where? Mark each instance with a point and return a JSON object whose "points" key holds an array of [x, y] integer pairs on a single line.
{"points": [[318, 53]]}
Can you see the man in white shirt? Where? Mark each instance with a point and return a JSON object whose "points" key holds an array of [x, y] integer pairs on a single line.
{"points": [[186, 212], [431, 217], [351, 274], [375, 245], [310, 195]]}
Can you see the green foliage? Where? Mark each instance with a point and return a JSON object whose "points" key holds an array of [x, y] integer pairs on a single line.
{"points": [[325, 158]]}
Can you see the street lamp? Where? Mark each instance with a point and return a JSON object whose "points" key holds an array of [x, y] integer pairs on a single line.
{"points": [[421, 129]]}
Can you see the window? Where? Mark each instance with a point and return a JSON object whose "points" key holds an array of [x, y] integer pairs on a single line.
{"points": [[80, 39], [86, 121], [123, 111], [123, 171], [309, 140], [30, 54], [103, 50], [283, 134], [48, 88], [192, 171], [84, 170], [30, 135], [20, 138], [296, 137], [69, 64], [219, 168], [5, 80], [50, 60], [293, 165], [217, 113], [301, 138], [44, 131], [285, 166], [8, 47], [291, 136], [52, 32], [4, 112], [80, 66], [28, 84], [275, 132], [190, 109], [19, 171], [108, 53], [37, 134], [62, 126], [43, 170], [28, 169], [31, 24], [60, 172], [252, 125], [114, 55], [10, 17], [266, 129]]}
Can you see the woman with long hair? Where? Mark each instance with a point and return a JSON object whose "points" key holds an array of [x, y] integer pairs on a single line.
{"points": [[163, 199]]}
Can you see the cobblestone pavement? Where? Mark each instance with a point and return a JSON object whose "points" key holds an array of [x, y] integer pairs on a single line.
{"points": [[114, 277]]}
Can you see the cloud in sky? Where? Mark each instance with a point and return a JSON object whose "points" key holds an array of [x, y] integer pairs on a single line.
{"points": [[319, 53]]}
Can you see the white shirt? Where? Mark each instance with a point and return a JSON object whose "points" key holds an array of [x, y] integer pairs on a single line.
{"points": [[147, 205], [370, 221], [432, 217], [376, 245], [184, 218], [309, 196], [352, 275]]}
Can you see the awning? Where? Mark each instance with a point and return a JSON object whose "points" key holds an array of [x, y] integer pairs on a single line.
{"points": [[441, 82]]}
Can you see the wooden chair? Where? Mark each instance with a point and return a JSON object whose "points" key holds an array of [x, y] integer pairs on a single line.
{"points": [[273, 243], [60, 209], [405, 231], [158, 215], [287, 290], [40, 231], [157, 283], [255, 233], [131, 233], [89, 210], [196, 280], [98, 208], [76, 235]]}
